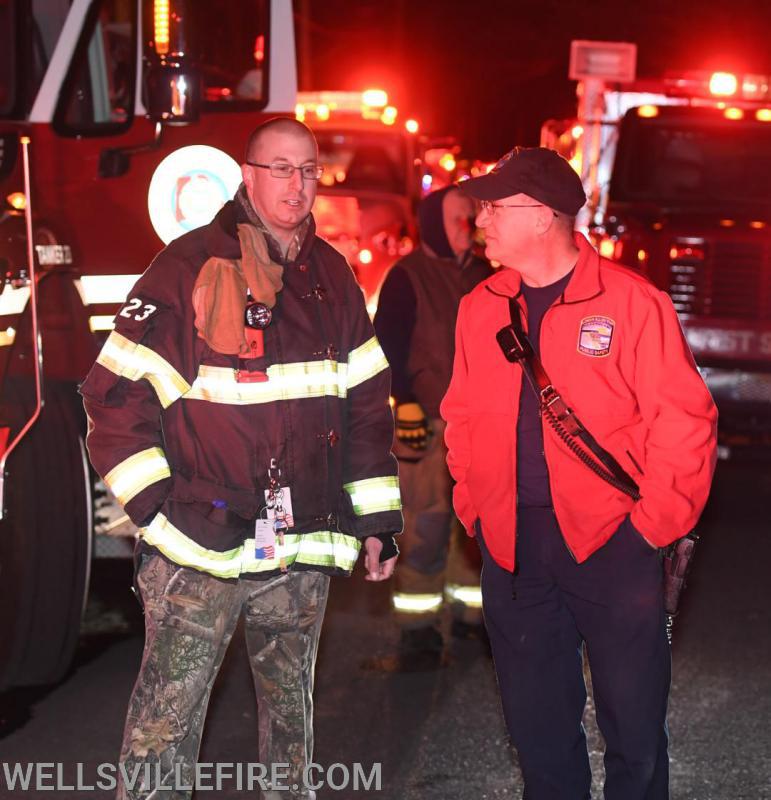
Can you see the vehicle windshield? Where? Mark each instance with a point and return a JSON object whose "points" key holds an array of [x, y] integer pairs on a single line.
{"points": [[28, 35], [694, 161], [363, 161], [229, 39]]}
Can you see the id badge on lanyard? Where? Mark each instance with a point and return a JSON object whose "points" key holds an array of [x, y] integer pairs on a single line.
{"points": [[269, 530]]}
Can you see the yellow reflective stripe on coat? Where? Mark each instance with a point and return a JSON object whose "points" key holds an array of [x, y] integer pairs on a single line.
{"points": [[416, 603], [365, 362], [320, 549], [285, 382], [136, 473], [470, 596], [135, 361], [373, 495]]}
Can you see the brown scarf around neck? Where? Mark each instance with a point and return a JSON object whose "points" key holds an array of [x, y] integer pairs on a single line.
{"points": [[219, 295]]}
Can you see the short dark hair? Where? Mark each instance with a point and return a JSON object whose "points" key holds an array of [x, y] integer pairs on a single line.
{"points": [[287, 125]]}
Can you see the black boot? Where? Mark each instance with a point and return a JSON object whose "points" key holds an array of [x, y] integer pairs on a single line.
{"points": [[420, 650]]}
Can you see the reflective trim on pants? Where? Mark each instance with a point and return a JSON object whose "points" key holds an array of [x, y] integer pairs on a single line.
{"points": [[416, 603], [437, 558], [470, 596]]}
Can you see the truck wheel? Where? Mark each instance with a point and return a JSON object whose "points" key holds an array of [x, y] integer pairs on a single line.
{"points": [[45, 537]]}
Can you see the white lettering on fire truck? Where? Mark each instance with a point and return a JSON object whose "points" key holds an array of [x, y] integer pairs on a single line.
{"points": [[48, 254], [727, 342]]}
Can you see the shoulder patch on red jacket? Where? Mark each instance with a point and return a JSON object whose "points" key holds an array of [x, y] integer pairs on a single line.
{"points": [[595, 335]]}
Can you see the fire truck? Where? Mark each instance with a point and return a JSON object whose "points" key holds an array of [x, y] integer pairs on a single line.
{"points": [[678, 175], [376, 171], [122, 125]]}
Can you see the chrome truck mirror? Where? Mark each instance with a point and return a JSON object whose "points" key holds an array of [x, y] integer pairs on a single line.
{"points": [[173, 92]]}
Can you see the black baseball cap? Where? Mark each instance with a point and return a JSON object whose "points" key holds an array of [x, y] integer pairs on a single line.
{"points": [[538, 172]]}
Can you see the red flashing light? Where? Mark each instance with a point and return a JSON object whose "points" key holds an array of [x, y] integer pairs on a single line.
{"points": [[723, 84], [259, 49], [686, 252]]}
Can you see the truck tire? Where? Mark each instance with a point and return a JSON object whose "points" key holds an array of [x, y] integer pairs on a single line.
{"points": [[45, 537]]}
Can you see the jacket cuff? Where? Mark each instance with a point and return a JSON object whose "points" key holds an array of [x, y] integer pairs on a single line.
{"points": [[464, 509], [390, 548], [387, 522]]}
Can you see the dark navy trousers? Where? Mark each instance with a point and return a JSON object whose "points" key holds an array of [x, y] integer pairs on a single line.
{"points": [[612, 605]]}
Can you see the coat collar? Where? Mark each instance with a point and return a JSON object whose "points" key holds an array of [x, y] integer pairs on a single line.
{"points": [[585, 283], [221, 237]]}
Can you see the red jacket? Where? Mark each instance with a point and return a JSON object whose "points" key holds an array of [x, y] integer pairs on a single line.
{"points": [[613, 347]]}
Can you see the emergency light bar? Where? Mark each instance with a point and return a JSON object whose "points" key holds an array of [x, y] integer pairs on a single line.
{"points": [[720, 85], [371, 104], [352, 102]]}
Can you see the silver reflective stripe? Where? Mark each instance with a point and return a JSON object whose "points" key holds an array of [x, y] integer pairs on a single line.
{"points": [[135, 362], [373, 495], [320, 548], [137, 472], [365, 362], [416, 603], [285, 382], [470, 596]]}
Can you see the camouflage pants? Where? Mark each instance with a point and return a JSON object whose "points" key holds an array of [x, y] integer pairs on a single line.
{"points": [[189, 621]]}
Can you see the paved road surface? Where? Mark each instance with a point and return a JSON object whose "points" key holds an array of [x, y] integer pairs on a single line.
{"points": [[440, 734]]}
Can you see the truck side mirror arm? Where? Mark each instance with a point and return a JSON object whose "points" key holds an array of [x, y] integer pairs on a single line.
{"points": [[173, 95], [116, 161]]}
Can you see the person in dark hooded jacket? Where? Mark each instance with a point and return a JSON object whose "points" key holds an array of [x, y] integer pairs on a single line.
{"points": [[415, 324]]}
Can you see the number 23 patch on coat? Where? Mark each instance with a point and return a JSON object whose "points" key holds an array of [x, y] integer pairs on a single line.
{"points": [[595, 335]]}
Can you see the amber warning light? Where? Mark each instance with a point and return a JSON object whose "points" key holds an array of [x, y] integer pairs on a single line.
{"points": [[161, 26]]}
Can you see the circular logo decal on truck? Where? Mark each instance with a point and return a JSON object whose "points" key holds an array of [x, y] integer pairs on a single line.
{"points": [[189, 187]]}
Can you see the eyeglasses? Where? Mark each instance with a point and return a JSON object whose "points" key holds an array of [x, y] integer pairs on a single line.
{"points": [[310, 172], [489, 206]]}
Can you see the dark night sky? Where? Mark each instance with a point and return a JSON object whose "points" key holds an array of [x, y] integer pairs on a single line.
{"points": [[490, 71]]}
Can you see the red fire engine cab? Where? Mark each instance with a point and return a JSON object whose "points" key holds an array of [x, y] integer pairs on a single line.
{"points": [[376, 169], [678, 175], [122, 124]]}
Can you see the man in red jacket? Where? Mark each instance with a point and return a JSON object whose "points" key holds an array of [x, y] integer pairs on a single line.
{"points": [[569, 560]]}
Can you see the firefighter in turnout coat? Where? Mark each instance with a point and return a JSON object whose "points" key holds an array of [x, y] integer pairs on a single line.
{"points": [[239, 412]]}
